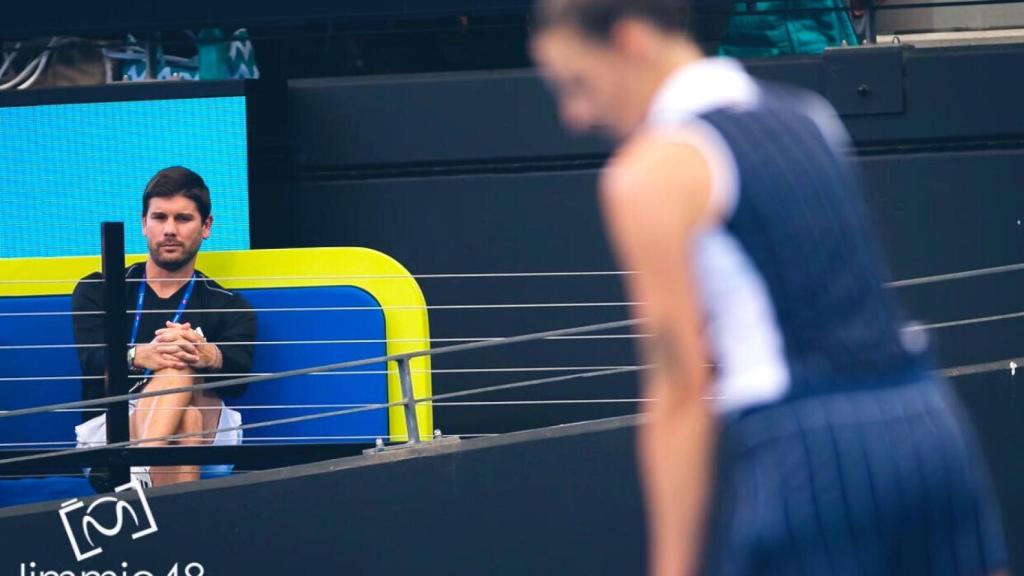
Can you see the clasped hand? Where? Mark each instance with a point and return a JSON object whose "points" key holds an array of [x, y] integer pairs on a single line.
{"points": [[177, 346]]}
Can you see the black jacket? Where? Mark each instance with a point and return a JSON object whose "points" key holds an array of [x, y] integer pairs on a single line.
{"points": [[202, 311]]}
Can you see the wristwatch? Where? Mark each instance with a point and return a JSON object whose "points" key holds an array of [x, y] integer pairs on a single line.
{"points": [[131, 359]]}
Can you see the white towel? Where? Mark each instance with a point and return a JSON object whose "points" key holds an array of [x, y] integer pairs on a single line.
{"points": [[93, 432]]}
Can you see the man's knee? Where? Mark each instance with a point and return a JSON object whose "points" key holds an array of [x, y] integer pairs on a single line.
{"points": [[173, 377], [174, 372]]}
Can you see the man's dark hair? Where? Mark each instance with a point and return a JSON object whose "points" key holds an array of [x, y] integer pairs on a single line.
{"points": [[597, 18], [178, 181]]}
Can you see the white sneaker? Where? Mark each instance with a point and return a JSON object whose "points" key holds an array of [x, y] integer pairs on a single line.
{"points": [[141, 473]]}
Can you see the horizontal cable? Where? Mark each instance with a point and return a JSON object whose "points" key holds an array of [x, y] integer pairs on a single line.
{"points": [[601, 337], [232, 406], [439, 307], [401, 276], [965, 322], [916, 327], [335, 342], [318, 406], [407, 340], [37, 444], [285, 439], [46, 475], [234, 471], [398, 307], [413, 370], [361, 372], [522, 369], [53, 313], [1009, 365], [955, 276], [262, 440], [48, 346], [894, 284], [249, 374], [75, 281], [47, 378], [75, 410], [542, 402], [353, 309], [325, 342], [308, 417], [339, 308], [314, 369]]}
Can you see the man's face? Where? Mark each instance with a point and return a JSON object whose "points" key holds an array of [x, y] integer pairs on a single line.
{"points": [[590, 80], [174, 231]]}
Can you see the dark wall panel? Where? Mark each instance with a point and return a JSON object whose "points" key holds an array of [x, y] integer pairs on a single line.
{"points": [[470, 173], [546, 502], [24, 18], [944, 212], [490, 223], [428, 118], [952, 94], [508, 116], [950, 212], [996, 408]]}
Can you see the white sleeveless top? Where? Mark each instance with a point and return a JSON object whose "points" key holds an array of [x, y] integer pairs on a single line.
{"points": [[743, 335]]}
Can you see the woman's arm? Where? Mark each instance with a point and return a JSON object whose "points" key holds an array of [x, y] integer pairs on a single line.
{"points": [[655, 195]]}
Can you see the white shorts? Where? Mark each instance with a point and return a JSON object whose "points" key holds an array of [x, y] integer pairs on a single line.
{"points": [[93, 432]]}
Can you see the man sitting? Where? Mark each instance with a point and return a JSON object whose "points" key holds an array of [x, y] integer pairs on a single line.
{"points": [[178, 315]]}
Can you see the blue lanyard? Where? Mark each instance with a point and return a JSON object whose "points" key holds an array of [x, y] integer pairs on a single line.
{"points": [[142, 294]]}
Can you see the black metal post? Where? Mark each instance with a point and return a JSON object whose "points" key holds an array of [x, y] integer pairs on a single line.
{"points": [[116, 337], [870, 34]]}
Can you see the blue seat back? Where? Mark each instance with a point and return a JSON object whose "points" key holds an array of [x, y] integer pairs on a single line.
{"points": [[36, 365], [315, 338], [287, 341]]}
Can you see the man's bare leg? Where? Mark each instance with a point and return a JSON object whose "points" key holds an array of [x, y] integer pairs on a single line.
{"points": [[159, 416], [202, 415], [191, 422]]}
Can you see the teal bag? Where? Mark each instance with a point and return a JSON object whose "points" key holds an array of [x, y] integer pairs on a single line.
{"points": [[220, 59], [758, 29], [216, 58]]}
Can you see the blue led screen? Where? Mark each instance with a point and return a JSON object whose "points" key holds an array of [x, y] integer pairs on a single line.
{"points": [[64, 168]]}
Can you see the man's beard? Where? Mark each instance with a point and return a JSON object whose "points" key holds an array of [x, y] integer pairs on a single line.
{"points": [[187, 254]]}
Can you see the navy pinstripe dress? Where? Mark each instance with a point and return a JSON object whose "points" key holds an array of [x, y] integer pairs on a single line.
{"points": [[839, 453]]}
